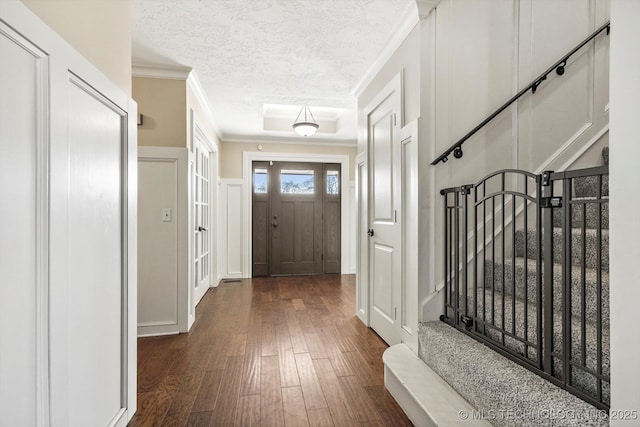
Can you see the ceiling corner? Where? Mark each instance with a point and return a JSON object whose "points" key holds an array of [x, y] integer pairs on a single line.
{"points": [[409, 20]]}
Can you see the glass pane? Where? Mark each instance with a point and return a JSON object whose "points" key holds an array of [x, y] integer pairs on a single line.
{"points": [[333, 182], [297, 181], [260, 181]]}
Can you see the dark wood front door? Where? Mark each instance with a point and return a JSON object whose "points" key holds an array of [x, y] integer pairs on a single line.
{"points": [[296, 218]]}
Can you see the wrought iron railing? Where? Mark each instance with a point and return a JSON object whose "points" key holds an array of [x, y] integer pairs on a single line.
{"points": [[559, 67], [526, 272]]}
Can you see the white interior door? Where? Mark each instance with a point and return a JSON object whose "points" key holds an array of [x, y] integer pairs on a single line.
{"points": [[67, 233], [202, 190], [385, 247], [22, 228], [95, 283]]}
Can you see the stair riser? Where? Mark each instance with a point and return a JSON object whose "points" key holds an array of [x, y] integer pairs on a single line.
{"points": [[591, 215], [590, 240], [588, 186], [591, 297], [580, 378]]}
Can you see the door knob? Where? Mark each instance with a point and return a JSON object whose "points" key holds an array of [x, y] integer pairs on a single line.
{"points": [[370, 232], [274, 223], [201, 228]]}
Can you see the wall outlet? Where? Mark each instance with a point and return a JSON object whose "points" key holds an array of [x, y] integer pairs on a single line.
{"points": [[166, 214]]}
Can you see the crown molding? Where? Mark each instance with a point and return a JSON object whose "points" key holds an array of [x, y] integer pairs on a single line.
{"points": [[160, 72], [425, 7], [409, 21], [417, 11], [196, 87], [245, 139]]}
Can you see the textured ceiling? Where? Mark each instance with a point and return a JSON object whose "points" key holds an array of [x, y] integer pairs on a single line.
{"points": [[252, 53]]}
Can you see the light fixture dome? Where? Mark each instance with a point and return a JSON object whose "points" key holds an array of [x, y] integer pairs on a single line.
{"points": [[305, 126]]}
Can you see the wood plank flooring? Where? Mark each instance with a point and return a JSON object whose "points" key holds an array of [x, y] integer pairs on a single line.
{"points": [[284, 351]]}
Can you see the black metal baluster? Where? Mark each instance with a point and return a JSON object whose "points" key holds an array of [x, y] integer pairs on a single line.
{"points": [[447, 282], [456, 257], [566, 281], [513, 272], [599, 205], [465, 219], [504, 259], [583, 290], [484, 256], [526, 270], [475, 259], [493, 260], [545, 328]]}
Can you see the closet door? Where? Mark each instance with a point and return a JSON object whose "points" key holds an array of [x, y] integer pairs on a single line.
{"points": [[23, 228], [94, 314], [67, 233]]}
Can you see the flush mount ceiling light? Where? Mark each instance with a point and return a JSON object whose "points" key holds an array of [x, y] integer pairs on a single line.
{"points": [[305, 126]]}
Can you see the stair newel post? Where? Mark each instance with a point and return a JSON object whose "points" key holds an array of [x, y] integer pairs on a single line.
{"points": [[545, 278]]}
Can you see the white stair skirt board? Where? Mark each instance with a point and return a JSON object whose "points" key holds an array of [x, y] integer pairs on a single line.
{"points": [[425, 397]]}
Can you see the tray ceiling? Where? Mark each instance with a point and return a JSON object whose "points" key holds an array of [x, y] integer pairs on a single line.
{"points": [[259, 61]]}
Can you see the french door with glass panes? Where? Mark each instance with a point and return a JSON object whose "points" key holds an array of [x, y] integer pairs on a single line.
{"points": [[201, 213], [296, 218]]}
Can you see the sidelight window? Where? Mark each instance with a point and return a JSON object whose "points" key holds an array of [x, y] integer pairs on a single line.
{"points": [[333, 182], [260, 180]]}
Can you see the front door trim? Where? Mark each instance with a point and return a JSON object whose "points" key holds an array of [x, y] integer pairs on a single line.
{"points": [[249, 157]]}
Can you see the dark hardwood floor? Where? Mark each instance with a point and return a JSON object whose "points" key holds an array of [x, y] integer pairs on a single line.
{"points": [[285, 351]]}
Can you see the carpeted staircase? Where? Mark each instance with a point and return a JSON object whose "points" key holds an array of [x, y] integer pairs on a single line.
{"points": [[503, 392]]}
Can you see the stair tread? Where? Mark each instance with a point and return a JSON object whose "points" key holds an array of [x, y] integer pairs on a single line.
{"points": [[500, 383], [582, 380]]}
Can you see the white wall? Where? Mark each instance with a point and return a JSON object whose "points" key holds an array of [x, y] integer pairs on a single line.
{"points": [[624, 206], [485, 52], [232, 249], [100, 30], [162, 244]]}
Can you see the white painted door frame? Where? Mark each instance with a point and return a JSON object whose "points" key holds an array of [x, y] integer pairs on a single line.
{"points": [[362, 239], [196, 293], [249, 157], [410, 199]]}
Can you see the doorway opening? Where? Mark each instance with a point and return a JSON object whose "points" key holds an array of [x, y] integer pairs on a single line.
{"points": [[296, 212]]}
